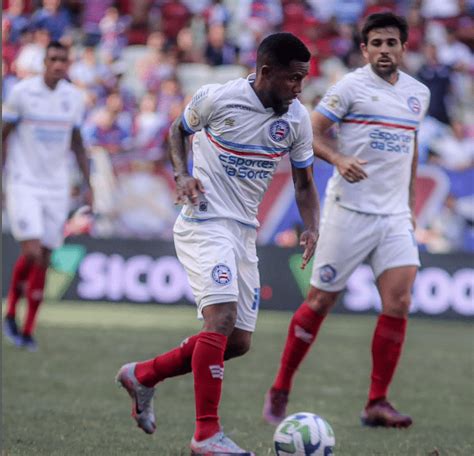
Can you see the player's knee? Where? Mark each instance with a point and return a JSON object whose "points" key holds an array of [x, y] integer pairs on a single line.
{"points": [[220, 318], [320, 301], [237, 348], [33, 255], [398, 304]]}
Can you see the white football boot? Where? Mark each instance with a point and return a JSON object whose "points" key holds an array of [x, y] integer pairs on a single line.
{"points": [[217, 445], [142, 397]]}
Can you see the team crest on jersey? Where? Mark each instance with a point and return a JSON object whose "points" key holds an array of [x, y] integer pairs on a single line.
{"points": [[327, 273], [279, 130], [414, 105], [221, 274]]}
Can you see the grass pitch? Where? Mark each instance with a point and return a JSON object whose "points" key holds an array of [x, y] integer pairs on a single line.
{"points": [[62, 401]]}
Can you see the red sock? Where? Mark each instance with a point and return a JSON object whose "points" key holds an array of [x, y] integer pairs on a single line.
{"points": [[34, 295], [20, 273], [302, 332], [208, 368], [387, 346], [171, 364]]}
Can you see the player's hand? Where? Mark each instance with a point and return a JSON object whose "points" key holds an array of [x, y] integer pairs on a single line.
{"points": [[308, 240], [350, 168], [188, 189]]}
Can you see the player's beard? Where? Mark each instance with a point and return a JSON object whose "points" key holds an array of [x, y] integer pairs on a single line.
{"points": [[385, 71]]}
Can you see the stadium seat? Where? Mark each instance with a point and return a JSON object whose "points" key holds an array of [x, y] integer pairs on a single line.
{"points": [[224, 73], [130, 56], [193, 75]]}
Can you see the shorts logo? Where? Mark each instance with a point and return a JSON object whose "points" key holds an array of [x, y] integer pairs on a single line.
{"points": [[414, 105], [327, 273], [203, 206], [221, 274], [279, 130]]}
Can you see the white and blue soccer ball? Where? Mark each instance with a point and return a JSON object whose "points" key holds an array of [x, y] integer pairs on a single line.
{"points": [[304, 434]]}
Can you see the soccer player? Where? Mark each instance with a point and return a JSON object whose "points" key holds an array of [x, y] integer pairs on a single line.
{"points": [[41, 120], [369, 211], [241, 129]]}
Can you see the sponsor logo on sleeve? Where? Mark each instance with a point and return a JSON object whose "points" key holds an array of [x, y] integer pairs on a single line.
{"points": [[414, 105], [221, 274], [333, 101], [279, 130], [193, 117]]}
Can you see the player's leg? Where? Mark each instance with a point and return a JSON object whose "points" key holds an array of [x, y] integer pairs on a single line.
{"points": [[395, 290], [238, 272], [207, 364], [34, 296], [177, 361], [344, 242], [395, 264], [24, 213], [54, 208], [30, 254], [302, 332]]}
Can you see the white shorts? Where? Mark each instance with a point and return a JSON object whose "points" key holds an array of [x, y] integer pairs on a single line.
{"points": [[37, 215], [348, 238], [220, 259]]}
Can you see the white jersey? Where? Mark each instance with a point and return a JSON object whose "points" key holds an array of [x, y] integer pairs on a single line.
{"points": [[377, 123], [38, 148], [237, 146]]}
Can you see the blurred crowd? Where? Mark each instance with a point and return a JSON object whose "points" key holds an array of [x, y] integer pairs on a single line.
{"points": [[139, 61]]}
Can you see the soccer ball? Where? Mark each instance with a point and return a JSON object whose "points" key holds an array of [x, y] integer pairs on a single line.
{"points": [[304, 434]]}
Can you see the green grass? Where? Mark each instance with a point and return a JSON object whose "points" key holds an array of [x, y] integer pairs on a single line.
{"points": [[62, 399]]}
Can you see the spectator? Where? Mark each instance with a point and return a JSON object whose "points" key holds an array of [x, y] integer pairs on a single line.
{"points": [[186, 51], [439, 8], [169, 95], [174, 17], [53, 18], [454, 151], [30, 59], [455, 53], [87, 72], [93, 12], [217, 13], [9, 48], [107, 134], [218, 50], [150, 130], [113, 38], [18, 21], [437, 77]]}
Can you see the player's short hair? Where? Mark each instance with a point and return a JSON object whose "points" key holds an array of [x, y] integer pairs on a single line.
{"points": [[384, 20], [280, 49], [56, 45]]}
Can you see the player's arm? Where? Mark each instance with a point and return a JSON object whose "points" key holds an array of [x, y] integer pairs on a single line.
{"points": [[7, 128], [187, 187], [77, 146], [350, 168], [412, 189], [307, 200]]}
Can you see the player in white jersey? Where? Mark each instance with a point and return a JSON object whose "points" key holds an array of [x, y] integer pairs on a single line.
{"points": [[41, 124], [241, 129], [369, 211]]}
